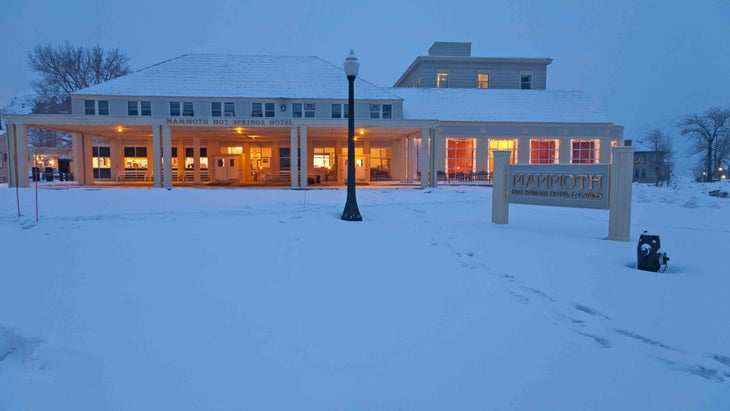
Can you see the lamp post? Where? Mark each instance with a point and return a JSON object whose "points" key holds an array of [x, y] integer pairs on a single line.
{"points": [[351, 213]]}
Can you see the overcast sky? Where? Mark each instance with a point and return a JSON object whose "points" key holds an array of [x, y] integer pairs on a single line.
{"points": [[644, 62]]}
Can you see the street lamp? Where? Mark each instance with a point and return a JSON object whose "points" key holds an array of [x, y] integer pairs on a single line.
{"points": [[351, 213]]}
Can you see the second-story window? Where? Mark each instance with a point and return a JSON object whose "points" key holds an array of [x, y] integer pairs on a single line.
{"points": [[525, 81], [132, 108], [188, 109], [483, 80], [146, 108], [229, 110], [103, 107], [340, 110], [175, 108], [384, 111], [309, 110], [442, 80], [215, 109], [262, 110], [89, 107]]}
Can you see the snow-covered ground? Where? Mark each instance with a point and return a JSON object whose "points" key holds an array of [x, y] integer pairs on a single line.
{"points": [[245, 299]]}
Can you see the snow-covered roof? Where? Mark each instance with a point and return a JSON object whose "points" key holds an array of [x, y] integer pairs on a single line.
{"points": [[240, 76], [539, 106]]}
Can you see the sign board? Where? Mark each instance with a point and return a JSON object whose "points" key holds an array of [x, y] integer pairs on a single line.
{"points": [[562, 185]]}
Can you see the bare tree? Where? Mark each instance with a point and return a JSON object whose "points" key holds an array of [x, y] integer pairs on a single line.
{"points": [[711, 135], [661, 145], [64, 69]]}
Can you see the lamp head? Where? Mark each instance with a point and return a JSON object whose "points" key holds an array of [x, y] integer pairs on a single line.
{"points": [[351, 65]]}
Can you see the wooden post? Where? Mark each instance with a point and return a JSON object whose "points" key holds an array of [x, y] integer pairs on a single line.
{"points": [[500, 185], [619, 195]]}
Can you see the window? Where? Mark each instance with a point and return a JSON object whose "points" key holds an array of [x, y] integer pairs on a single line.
{"points": [[340, 110], [543, 151], [215, 109], [190, 158], [89, 107], [260, 158], [442, 80], [188, 109], [263, 110], [229, 110], [146, 108], [101, 162], [584, 151], [482, 80], [135, 158], [323, 157], [375, 111], [380, 163], [381, 111], [309, 110], [460, 156], [132, 108], [284, 158], [296, 110], [498, 144], [525, 81], [103, 107], [175, 108]]}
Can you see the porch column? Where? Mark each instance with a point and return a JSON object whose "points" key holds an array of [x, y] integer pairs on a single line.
{"points": [[293, 158], [247, 169], [196, 160], [88, 151], [619, 194], [167, 156], [77, 143], [424, 157], [406, 178], [12, 155], [116, 157], [180, 160], [412, 158], [305, 157], [432, 159], [156, 155]]}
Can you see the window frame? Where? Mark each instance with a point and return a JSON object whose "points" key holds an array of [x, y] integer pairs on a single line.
{"points": [[525, 85], [442, 76], [537, 159], [482, 82], [593, 153]]}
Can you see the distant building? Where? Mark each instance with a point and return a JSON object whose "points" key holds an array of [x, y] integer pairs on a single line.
{"points": [[281, 120], [3, 157]]}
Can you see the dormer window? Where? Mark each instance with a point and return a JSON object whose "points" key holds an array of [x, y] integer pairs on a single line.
{"points": [[482, 80], [526, 81], [442, 80]]}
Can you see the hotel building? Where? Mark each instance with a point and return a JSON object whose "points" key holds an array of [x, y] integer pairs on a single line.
{"points": [[281, 120]]}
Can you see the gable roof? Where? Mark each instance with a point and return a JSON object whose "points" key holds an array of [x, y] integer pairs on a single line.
{"points": [[240, 76], [498, 105]]}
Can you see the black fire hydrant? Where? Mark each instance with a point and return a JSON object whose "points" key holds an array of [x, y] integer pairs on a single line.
{"points": [[649, 254]]}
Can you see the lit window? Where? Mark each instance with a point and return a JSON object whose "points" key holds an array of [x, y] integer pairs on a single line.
{"points": [[174, 108], [526, 81], [101, 162], [460, 156], [584, 151], [89, 107], [132, 108], [188, 109], [380, 163], [146, 108], [442, 80], [135, 158], [544, 151], [323, 157], [215, 109], [501, 145], [482, 80], [103, 107]]}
